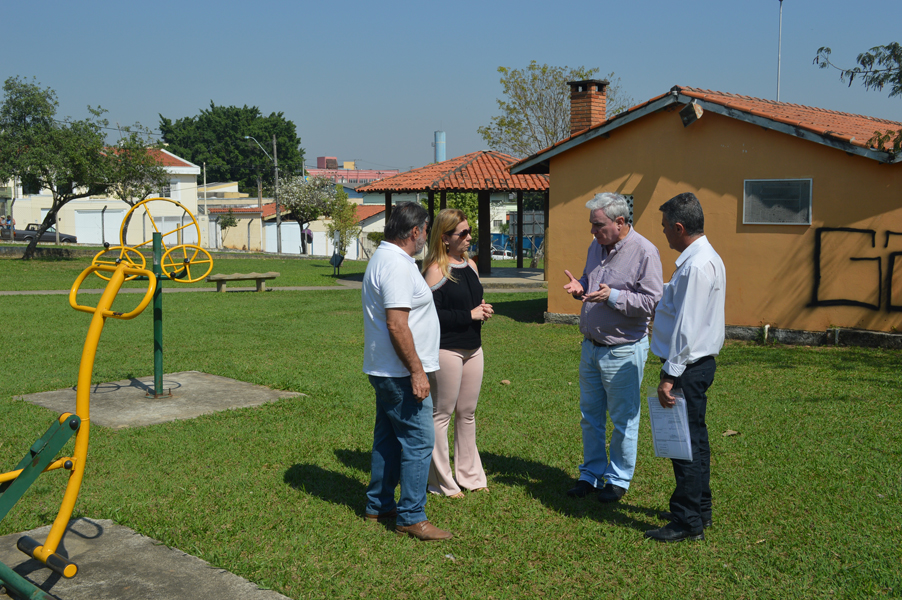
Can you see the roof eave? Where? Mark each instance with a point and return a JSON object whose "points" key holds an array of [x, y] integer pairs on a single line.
{"points": [[793, 130]]}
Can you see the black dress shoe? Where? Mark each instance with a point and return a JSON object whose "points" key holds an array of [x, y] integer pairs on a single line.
{"points": [[673, 533], [611, 493], [706, 521], [582, 489]]}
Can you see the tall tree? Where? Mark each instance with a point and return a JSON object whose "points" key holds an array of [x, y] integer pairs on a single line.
{"points": [[881, 66], [217, 137], [307, 200], [536, 113], [344, 220], [66, 158]]}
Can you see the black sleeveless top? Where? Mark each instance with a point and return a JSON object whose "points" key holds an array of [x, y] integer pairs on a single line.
{"points": [[453, 301]]}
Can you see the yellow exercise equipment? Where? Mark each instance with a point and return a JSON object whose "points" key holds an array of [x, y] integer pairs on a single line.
{"points": [[184, 263]]}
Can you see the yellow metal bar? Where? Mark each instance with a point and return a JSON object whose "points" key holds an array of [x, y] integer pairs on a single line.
{"points": [[57, 464], [124, 269], [82, 407]]}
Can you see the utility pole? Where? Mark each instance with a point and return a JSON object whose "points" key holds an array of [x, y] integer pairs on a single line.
{"points": [[206, 214], [275, 160], [779, 49]]}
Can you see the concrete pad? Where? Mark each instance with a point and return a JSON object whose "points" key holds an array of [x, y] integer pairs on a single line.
{"points": [[115, 562], [126, 403]]}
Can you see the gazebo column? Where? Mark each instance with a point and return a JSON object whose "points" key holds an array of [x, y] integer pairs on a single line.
{"points": [[431, 202], [387, 206], [519, 233], [443, 200], [485, 233], [545, 205]]}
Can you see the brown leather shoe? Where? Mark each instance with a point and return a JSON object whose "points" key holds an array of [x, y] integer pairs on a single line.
{"points": [[424, 531], [368, 518]]}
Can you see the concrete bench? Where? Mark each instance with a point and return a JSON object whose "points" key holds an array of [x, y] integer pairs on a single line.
{"points": [[221, 279]]}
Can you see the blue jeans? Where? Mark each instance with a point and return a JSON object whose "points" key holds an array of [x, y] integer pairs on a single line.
{"points": [[403, 438], [610, 381]]}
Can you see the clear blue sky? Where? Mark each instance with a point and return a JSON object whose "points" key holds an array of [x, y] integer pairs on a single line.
{"points": [[372, 81]]}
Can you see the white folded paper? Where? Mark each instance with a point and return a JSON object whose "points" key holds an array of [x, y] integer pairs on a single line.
{"points": [[669, 426]]}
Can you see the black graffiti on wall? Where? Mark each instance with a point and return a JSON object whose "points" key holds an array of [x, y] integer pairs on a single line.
{"points": [[894, 259]]}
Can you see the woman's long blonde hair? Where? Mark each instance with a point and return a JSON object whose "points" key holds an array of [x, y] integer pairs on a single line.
{"points": [[445, 223]]}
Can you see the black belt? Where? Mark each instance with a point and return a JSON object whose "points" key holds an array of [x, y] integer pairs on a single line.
{"points": [[599, 344]]}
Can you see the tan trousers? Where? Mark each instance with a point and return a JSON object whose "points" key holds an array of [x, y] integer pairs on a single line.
{"points": [[455, 391]]}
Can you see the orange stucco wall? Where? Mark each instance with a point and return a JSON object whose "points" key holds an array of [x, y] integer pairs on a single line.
{"points": [[770, 268]]}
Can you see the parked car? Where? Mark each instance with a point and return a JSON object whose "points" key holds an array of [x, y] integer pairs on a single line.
{"points": [[27, 234], [501, 254]]}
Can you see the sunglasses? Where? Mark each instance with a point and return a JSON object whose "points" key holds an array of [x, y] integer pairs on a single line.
{"points": [[462, 234]]}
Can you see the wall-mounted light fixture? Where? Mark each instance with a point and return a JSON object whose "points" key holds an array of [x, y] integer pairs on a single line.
{"points": [[691, 113]]}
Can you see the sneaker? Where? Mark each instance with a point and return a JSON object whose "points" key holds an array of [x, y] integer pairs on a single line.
{"points": [[424, 531]]}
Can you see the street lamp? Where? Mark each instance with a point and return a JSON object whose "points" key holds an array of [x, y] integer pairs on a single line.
{"points": [[275, 159]]}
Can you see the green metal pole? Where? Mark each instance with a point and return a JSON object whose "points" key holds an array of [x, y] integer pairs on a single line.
{"points": [[21, 586], [158, 316]]}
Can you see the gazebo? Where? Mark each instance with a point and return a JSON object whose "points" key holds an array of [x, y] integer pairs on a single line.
{"points": [[482, 173]]}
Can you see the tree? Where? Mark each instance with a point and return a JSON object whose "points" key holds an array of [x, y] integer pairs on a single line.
{"points": [[344, 221], [65, 157], [536, 113], [217, 137], [226, 222], [136, 172], [879, 67], [307, 200]]}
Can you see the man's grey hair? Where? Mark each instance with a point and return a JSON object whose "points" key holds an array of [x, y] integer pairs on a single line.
{"points": [[613, 205]]}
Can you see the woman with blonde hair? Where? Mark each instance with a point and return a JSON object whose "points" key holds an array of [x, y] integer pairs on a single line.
{"points": [[457, 293]]}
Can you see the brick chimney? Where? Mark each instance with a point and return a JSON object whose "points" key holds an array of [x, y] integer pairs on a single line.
{"points": [[588, 100]]}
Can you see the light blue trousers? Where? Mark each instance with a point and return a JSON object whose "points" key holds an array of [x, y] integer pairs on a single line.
{"points": [[610, 382]]}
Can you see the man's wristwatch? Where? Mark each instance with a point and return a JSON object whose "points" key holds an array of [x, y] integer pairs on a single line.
{"points": [[665, 376]]}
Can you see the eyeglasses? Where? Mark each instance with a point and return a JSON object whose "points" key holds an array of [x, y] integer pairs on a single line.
{"points": [[462, 234]]}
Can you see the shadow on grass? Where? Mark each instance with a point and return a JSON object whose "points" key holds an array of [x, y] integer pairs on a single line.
{"points": [[549, 486], [522, 311], [356, 459], [328, 485], [546, 484]]}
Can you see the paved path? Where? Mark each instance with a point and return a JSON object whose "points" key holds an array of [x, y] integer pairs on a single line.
{"points": [[505, 280]]}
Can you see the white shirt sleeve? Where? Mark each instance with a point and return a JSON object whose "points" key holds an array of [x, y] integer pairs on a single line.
{"points": [[691, 293]]}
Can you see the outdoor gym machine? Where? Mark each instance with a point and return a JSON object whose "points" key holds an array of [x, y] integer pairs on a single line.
{"points": [[175, 264]]}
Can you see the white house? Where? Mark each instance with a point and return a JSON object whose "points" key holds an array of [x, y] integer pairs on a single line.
{"points": [[98, 219]]}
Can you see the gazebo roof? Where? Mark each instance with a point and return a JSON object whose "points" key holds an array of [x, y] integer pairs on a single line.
{"points": [[481, 171]]}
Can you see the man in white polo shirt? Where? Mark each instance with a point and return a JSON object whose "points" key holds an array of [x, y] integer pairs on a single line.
{"points": [[401, 343]]}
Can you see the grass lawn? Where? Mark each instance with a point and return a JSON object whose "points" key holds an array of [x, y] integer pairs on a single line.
{"points": [[808, 496], [59, 274]]}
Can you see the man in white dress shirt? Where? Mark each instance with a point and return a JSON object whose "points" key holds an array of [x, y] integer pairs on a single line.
{"points": [[688, 333]]}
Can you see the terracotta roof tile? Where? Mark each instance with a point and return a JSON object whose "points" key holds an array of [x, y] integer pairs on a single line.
{"points": [[365, 211], [238, 210], [485, 170], [855, 129], [168, 159], [846, 127]]}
